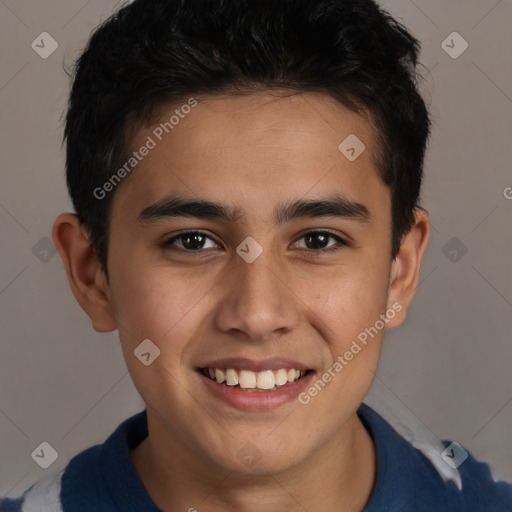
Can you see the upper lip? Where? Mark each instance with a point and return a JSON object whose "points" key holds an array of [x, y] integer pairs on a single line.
{"points": [[243, 363]]}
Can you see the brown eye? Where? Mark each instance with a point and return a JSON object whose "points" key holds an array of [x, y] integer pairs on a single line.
{"points": [[318, 241], [191, 241]]}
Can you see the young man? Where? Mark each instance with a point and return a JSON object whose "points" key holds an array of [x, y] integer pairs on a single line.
{"points": [[246, 179]]}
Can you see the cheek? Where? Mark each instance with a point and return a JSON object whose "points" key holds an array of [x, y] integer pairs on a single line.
{"points": [[349, 300], [149, 308], [348, 316]]}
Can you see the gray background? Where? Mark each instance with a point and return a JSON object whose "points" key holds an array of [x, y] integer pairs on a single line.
{"points": [[447, 369]]}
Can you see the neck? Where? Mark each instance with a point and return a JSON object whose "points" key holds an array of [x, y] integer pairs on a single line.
{"points": [[337, 477]]}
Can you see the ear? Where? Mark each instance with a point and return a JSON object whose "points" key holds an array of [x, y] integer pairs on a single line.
{"points": [[85, 275], [405, 268]]}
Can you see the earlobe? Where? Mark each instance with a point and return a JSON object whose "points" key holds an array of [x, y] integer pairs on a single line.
{"points": [[85, 276], [405, 269]]}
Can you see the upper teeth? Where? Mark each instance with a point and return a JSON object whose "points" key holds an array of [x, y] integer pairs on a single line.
{"points": [[247, 379]]}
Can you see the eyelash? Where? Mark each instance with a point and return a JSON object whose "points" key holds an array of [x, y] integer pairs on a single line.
{"points": [[342, 243]]}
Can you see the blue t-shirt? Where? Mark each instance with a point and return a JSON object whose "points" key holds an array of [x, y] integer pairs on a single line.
{"points": [[103, 478]]}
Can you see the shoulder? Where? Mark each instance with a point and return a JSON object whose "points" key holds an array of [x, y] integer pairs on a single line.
{"points": [[429, 475], [52, 493], [78, 487], [480, 492], [100, 478], [43, 496]]}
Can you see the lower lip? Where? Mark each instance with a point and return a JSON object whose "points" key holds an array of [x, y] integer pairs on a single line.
{"points": [[257, 400]]}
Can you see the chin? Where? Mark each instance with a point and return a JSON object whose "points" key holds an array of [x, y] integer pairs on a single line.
{"points": [[256, 458]]}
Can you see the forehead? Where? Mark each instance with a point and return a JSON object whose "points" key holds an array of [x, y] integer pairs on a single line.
{"points": [[252, 151]]}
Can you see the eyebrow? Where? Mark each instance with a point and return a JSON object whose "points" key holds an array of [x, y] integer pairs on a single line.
{"points": [[177, 206]]}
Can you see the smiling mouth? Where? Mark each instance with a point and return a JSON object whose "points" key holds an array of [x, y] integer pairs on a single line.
{"points": [[254, 381]]}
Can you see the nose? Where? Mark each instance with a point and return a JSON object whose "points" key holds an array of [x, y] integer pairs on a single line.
{"points": [[258, 302]]}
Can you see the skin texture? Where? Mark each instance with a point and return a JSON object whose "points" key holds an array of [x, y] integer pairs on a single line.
{"points": [[252, 152]]}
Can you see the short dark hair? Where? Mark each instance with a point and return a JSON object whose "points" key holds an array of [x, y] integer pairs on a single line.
{"points": [[152, 52]]}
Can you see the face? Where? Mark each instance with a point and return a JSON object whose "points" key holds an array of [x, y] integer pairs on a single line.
{"points": [[287, 272]]}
